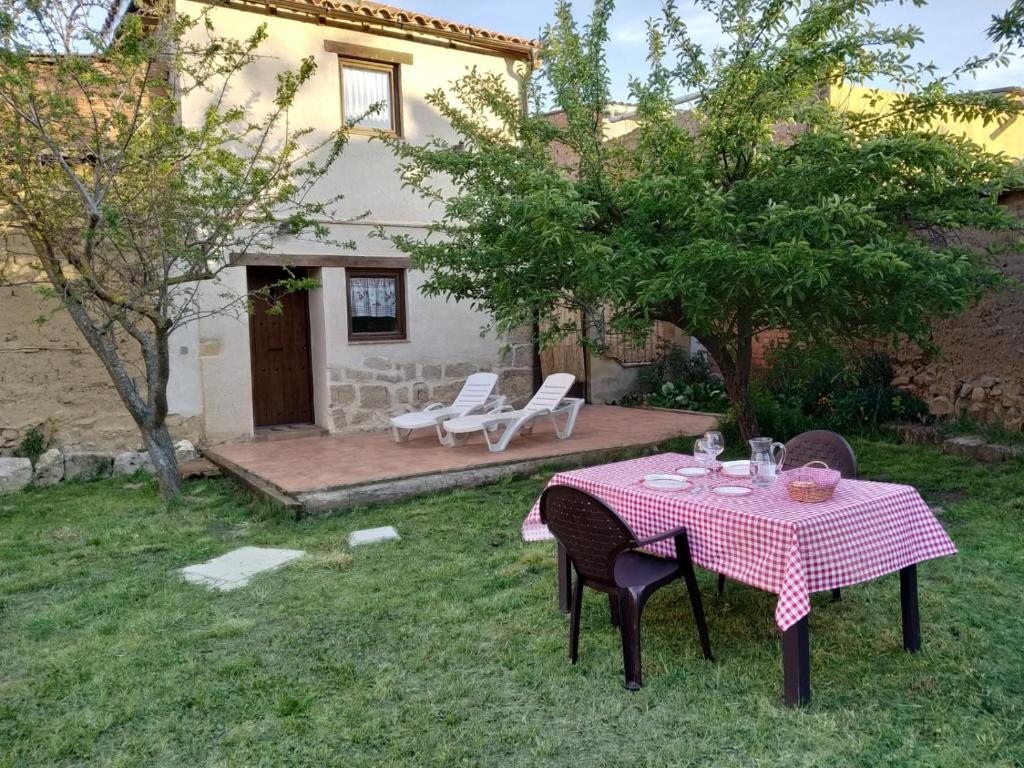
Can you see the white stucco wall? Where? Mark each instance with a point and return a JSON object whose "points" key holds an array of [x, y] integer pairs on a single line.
{"points": [[224, 359], [184, 387]]}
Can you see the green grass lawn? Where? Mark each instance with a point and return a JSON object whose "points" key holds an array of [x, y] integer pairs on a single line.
{"points": [[447, 648]]}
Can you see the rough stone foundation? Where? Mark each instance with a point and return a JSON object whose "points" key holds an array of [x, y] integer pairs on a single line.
{"points": [[365, 398], [980, 371]]}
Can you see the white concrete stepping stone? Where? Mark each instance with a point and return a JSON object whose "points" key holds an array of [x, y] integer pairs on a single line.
{"points": [[234, 569], [372, 535]]}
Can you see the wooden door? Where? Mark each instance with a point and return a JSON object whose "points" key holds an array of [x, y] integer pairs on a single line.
{"points": [[282, 380]]}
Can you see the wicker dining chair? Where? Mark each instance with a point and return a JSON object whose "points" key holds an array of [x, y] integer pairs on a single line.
{"points": [[817, 445], [822, 445], [602, 550]]}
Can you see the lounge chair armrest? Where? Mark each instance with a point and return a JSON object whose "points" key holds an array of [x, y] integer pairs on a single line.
{"points": [[662, 536], [494, 402], [434, 406], [507, 415], [567, 403]]}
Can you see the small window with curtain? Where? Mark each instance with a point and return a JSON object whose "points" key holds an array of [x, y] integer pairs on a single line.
{"points": [[376, 304], [370, 96]]}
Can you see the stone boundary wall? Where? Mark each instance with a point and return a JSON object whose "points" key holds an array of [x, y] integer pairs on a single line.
{"points": [[50, 379], [980, 371], [55, 466], [363, 399]]}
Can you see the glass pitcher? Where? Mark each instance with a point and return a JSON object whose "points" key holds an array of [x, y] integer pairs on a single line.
{"points": [[766, 460]]}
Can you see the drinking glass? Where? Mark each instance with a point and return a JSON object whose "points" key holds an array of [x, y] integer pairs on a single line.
{"points": [[715, 444], [702, 452]]}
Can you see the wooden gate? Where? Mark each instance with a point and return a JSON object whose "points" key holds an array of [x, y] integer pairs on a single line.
{"points": [[566, 356]]}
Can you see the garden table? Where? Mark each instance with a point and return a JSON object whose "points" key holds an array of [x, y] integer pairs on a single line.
{"points": [[768, 541]]}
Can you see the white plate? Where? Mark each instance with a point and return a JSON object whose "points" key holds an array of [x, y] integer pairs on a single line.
{"points": [[666, 482], [691, 471], [733, 490], [736, 468]]}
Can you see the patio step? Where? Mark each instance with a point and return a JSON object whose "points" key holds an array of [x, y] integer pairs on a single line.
{"points": [[288, 432], [255, 485]]}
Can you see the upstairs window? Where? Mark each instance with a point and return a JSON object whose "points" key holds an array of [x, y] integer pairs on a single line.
{"points": [[365, 84]]}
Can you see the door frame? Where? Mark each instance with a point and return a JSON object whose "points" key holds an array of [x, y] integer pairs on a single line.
{"points": [[297, 272]]}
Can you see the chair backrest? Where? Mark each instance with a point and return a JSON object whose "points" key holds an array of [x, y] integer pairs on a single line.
{"points": [[592, 534], [822, 445], [476, 390], [555, 387]]}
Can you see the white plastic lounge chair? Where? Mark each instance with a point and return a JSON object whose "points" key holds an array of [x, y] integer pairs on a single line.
{"points": [[550, 400], [476, 396]]}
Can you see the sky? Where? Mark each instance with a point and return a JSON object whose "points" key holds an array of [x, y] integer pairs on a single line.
{"points": [[953, 30]]}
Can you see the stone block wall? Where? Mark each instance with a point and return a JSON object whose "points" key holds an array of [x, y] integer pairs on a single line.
{"points": [[50, 379], [364, 398], [979, 372]]}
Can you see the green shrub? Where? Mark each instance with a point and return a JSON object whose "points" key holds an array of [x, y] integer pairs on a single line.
{"points": [[839, 391], [779, 419], [693, 396], [827, 389], [32, 445], [680, 380], [671, 365]]}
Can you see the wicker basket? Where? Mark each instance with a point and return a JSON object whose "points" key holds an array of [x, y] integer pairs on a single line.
{"points": [[812, 482]]}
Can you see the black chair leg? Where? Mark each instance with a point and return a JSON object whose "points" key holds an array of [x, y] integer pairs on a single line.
{"points": [[686, 566], [629, 628], [721, 584], [613, 609], [837, 595], [574, 619]]}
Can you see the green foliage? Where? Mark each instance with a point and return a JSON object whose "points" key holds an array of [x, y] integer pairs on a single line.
{"points": [[762, 208], [673, 363], [680, 380], [842, 392], [824, 388], [692, 396], [778, 418], [32, 445]]}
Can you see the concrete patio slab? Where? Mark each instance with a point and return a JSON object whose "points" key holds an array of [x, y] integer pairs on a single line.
{"points": [[322, 474], [372, 535], [236, 568]]}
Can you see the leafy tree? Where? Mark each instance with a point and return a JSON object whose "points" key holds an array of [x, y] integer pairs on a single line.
{"points": [[130, 203], [1007, 29], [760, 208]]}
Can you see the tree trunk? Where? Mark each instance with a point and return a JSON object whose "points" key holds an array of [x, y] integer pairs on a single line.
{"points": [[165, 464], [738, 388], [154, 429], [736, 377], [148, 416]]}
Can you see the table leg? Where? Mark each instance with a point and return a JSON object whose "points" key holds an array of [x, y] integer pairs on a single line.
{"points": [[796, 664], [908, 606], [564, 579]]}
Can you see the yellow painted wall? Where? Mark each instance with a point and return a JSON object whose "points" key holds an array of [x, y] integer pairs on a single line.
{"points": [[1006, 136]]}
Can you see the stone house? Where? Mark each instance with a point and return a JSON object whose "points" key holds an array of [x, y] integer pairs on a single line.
{"points": [[363, 345]]}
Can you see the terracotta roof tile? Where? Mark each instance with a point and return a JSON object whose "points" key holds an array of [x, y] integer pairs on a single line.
{"points": [[390, 13], [372, 12]]}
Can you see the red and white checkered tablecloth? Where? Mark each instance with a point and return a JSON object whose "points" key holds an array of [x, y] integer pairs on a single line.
{"points": [[765, 539]]}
